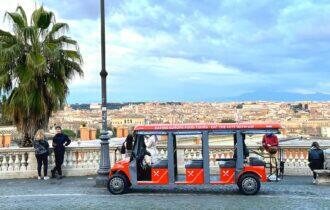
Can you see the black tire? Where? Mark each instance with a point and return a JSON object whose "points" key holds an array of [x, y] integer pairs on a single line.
{"points": [[118, 184], [249, 184]]}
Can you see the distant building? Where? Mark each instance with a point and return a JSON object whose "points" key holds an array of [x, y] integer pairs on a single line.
{"points": [[325, 131], [128, 121], [87, 133], [95, 106]]}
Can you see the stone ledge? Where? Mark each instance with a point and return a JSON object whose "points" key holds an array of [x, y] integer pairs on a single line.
{"points": [[323, 177]]}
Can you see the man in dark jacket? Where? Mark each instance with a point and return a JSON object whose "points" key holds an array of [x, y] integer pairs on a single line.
{"points": [[246, 152], [315, 158], [60, 141]]}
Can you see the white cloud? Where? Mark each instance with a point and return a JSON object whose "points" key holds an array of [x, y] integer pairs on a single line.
{"points": [[234, 44]]}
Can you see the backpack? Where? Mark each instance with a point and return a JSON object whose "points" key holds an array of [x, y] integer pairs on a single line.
{"points": [[40, 149], [315, 154]]}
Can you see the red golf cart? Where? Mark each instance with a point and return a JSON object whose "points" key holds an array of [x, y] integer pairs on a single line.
{"points": [[247, 173]]}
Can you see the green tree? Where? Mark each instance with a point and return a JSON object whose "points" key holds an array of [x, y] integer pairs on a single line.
{"points": [[228, 121], [70, 133], [37, 61]]}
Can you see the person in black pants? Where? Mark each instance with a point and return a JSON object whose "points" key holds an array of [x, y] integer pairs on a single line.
{"points": [[60, 141], [315, 158], [41, 148]]}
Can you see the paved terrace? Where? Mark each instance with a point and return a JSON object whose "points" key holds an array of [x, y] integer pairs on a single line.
{"points": [[81, 193]]}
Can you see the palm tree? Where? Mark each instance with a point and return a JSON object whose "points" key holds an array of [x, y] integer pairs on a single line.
{"points": [[37, 61]]}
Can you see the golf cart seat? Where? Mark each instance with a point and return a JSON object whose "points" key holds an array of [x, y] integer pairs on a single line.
{"points": [[254, 161], [227, 163], [194, 164], [160, 164]]}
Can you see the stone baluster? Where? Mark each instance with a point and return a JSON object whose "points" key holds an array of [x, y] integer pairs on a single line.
{"points": [[1, 160], [289, 163], [200, 156], [31, 161], [74, 159], [296, 157], [222, 155], [180, 158], [96, 160], [189, 157], [4, 165], [91, 159], [24, 162], [79, 160], [191, 154], [11, 166], [196, 155], [70, 160], [301, 159], [160, 153], [17, 163], [85, 160]]}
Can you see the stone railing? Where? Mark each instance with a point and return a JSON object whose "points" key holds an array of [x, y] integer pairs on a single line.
{"points": [[83, 161], [21, 163]]}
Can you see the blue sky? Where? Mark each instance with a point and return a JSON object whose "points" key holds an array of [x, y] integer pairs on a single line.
{"points": [[198, 50]]}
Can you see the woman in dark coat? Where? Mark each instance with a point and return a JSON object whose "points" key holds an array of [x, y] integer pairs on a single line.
{"points": [[41, 148], [315, 158]]}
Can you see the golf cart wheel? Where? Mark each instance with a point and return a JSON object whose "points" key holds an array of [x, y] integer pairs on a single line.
{"points": [[118, 184], [249, 184]]}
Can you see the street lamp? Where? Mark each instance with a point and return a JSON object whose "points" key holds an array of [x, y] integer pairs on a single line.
{"points": [[104, 167]]}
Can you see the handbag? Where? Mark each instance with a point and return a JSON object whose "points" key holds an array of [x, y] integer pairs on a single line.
{"points": [[123, 149]]}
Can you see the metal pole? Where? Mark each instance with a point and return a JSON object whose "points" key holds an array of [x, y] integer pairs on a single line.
{"points": [[103, 171]]}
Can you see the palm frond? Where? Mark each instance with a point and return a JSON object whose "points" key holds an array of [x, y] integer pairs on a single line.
{"points": [[41, 18], [23, 14], [57, 27], [64, 40], [16, 18]]}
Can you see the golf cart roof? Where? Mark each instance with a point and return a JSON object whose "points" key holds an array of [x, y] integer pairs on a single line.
{"points": [[208, 126]]}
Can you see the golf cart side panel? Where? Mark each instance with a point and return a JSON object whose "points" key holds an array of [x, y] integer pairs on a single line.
{"points": [[259, 170], [121, 166]]}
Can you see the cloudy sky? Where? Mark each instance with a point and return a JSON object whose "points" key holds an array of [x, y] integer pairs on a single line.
{"points": [[197, 50]]}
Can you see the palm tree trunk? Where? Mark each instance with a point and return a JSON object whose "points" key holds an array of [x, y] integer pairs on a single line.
{"points": [[27, 140]]}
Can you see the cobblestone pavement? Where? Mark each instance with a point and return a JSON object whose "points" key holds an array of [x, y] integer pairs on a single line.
{"points": [[81, 193]]}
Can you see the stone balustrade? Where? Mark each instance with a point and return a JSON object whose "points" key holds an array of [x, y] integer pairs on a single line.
{"points": [[21, 163], [83, 161]]}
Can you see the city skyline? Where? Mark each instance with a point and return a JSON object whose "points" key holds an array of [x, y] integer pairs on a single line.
{"points": [[204, 51]]}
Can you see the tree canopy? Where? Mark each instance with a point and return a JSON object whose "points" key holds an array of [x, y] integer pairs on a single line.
{"points": [[37, 61]]}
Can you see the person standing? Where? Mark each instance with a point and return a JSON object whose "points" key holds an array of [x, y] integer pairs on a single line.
{"points": [[270, 143], [315, 158], [60, 141], [41, 148], [151, 143], [127, 146]]}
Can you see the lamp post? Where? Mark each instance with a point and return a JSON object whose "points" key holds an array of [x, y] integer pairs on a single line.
{"points": [[103, 171]]}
